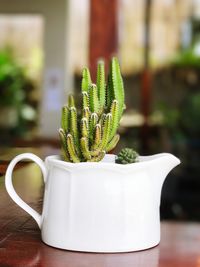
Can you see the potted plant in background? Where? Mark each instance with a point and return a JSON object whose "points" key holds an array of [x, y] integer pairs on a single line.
{"points": [[16, 109], [91, 202]]}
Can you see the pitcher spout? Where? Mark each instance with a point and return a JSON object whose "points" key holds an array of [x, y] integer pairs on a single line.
{"points": [[161, 165], [166, 163]]}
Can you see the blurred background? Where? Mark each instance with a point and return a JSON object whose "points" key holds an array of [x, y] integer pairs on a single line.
{"points": [[45, 44]]}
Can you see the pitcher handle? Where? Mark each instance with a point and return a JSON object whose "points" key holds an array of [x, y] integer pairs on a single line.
{"points": [[11, 191]]}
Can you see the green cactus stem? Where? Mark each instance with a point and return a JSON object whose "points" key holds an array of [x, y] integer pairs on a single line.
{"points": [[74, 129], [86, 113], [101, 85], [94, 101], [97, 139], [115, 85], [84, 127], [85, 148], [65, 119], [71, 149], [63, 139], [112, 144], [85, 100], [71, 102], [106, 132], [86, 80], [109, 94], [99, 158], [73, 123], [102, 119], [127, 155], [115, 117], [93, 122]]}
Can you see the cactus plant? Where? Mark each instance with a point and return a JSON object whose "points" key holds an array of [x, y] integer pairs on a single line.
{"points": [[126, 156], [89, 136]]}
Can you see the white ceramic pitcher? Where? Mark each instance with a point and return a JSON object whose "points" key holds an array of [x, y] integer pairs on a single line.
{"points": [[99, 207]]}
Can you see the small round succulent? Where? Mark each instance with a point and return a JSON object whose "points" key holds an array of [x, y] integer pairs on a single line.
{"points": [[126, 156]]}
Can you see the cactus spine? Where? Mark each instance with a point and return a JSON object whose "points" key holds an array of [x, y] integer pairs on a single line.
{"points": [[89, 137]]}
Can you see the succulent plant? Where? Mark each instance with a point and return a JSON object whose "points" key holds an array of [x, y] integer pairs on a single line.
{"points": [[126, 156], [87, 134]]}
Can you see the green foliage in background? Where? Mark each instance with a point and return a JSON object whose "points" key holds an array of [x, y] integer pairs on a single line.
{"points": [[190, 114], [87, 134], [14, 89], [187, 58], [12, 79], [170, 116], [183, 120]]}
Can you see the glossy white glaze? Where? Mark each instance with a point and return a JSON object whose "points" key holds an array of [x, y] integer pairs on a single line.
{"points": [[99, 207]]}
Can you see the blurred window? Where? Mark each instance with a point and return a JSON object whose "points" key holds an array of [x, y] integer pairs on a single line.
{"points": [[78, 34], [21, 50], [24, 35], [170, 30]]}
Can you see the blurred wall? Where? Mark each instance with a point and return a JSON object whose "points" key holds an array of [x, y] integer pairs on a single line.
{"points": [[57, 79]]}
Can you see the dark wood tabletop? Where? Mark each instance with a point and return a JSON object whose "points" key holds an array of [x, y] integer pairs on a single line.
{"points": [[21, 245]]}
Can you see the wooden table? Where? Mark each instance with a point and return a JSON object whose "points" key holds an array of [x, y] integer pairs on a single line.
{"points": [[21, 245]]}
